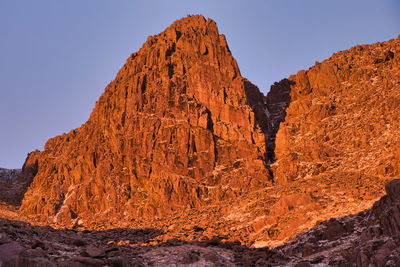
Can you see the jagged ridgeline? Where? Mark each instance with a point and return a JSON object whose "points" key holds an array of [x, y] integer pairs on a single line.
{"points": [[178, 127]]}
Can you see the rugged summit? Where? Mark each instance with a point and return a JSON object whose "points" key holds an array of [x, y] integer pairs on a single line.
{"points": [[178, 127]]}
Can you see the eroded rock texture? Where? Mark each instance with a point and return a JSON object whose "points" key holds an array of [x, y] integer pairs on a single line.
{"points": [[343, 116], [178, 127], [337, 144]]}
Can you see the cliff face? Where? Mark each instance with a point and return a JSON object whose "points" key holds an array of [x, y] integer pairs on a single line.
{"points": [[337, 144], [343, 116], [178, 127]]}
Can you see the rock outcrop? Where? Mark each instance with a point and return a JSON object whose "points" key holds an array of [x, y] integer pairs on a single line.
{"points": [[342, 116], [178, 127], [336, 144]]}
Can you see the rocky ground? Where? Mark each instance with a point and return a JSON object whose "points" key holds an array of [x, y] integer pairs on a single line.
{"points": [[370, 238]]}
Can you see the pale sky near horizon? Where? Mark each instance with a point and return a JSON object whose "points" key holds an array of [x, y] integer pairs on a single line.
{"points": [[56, 57]]}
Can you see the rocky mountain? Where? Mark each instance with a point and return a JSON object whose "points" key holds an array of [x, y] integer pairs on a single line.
{"points": [[178, 127], [339, 142], [342, 117], [182, 144]]}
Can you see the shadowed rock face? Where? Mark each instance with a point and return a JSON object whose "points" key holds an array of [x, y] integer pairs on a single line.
{"points": [[178, 127], [15, 182]]}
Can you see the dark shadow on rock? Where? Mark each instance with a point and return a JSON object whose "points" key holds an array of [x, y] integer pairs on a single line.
{"points": [[277, 101], [242, 255], [257, 102], [12, 190], [269, 112], [120, 247], [113, 247]]}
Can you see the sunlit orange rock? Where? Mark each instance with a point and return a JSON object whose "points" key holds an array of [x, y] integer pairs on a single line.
{"points": [[178, 127], [343, 115]]}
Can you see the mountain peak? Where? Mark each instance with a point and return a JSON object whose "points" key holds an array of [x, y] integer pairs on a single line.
{"points": [[193, 23], [176, 128]]}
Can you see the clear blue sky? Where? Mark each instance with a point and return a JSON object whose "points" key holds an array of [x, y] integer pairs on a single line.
{"points": [[56, 57]]}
